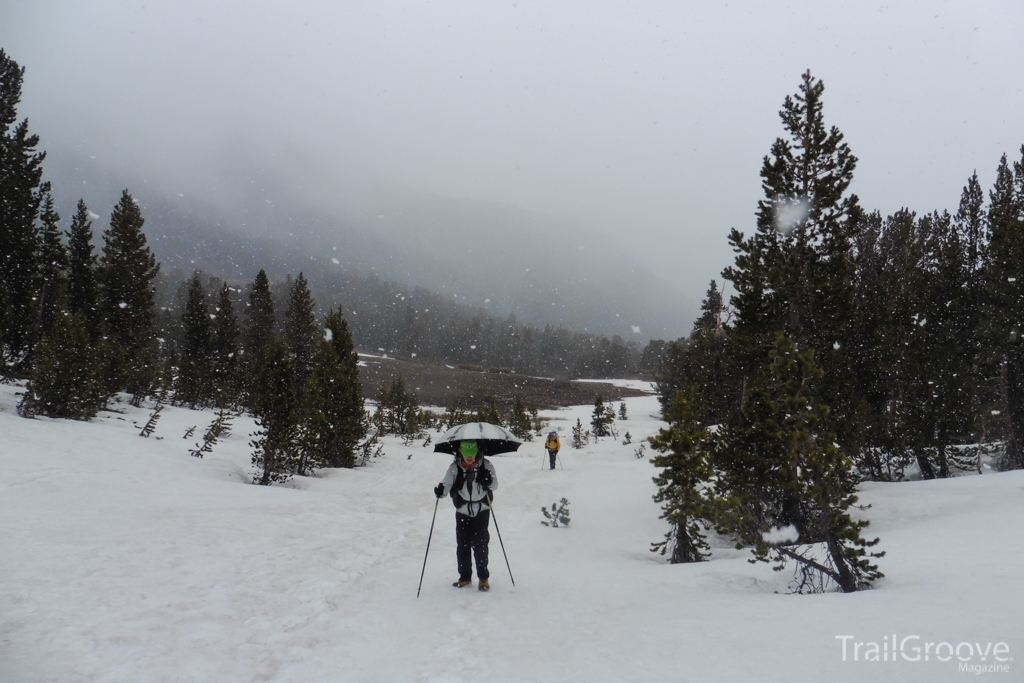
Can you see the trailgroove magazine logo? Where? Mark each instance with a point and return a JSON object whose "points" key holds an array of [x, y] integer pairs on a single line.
{"points": [[971, 657]]}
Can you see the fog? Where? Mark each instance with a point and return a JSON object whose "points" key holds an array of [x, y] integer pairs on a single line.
{"points": [[645, 122]]}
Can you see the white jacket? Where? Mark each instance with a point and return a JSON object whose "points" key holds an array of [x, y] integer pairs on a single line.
{"points": [[472, 497]]}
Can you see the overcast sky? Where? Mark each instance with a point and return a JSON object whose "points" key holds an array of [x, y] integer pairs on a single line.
{"points": [[646, 118]]}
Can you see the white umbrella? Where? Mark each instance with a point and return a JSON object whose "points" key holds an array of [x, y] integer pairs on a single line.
{"points": [[490, 439]]}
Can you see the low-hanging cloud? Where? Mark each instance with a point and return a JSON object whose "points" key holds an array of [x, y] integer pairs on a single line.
{"points": [[646, 122]]}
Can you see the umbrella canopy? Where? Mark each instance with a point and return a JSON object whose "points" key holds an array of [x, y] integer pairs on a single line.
{"points": [[490, 439]]}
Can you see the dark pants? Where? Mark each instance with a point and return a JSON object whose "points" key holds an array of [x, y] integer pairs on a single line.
{"points": [[472, 537], [551, 456]]}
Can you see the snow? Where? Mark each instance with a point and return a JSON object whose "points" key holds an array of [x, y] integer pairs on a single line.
{"points": [[640, 384], [375, 357], [124, 559], [782, 534]]}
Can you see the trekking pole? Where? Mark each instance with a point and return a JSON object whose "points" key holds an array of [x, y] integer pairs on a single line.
{"points": [[542, 458], [491, 505], [559, 460], [436, 501]]}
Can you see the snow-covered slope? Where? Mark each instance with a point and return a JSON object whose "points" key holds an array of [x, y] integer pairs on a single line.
{"points": [[124, 559]]}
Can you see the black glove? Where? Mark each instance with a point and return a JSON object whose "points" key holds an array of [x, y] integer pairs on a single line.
{"points": [[439, 491], [484, 477]]}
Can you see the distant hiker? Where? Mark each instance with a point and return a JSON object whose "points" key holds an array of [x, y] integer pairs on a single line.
{"points": [[552, 445], [470, 480]]}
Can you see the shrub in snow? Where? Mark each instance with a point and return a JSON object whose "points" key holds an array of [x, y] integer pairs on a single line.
{"points": [[558, 515]]}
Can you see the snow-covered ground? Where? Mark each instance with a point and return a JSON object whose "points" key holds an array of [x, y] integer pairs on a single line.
{"points": [[124, 559]]}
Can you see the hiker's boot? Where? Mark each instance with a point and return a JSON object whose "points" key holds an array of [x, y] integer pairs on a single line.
{"points": [[484, 585], [461, 584]]}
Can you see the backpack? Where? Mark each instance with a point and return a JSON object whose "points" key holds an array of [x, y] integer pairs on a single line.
{"points": [[460, 481]]}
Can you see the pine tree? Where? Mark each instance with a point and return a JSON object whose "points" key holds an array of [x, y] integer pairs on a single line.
{"points": [[313, 428], [777, 466], [577, 435], [601, 419], [947, 323], [275, 452], [195, 376], [889, 279], [489, 413], [331, 416], [972, 226], [259, 332], [128, 269], [1004, 304], [169, 372], [83, 294], [21, 194], [300, 328], [53, 266], [225, 350], [519, 422], [66, 379], [5, 314], [796, 273], [701, 361], [346, 411], [683, 484], [454, 415], [398, 409]]}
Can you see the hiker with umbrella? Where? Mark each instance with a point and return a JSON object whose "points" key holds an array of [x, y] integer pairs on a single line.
{"points": [[470, 480]]}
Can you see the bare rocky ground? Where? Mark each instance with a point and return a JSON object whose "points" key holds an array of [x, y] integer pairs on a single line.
{"points": [[439, 385]]}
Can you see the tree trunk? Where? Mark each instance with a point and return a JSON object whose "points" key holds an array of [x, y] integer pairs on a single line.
{"points": [[927, 471]]}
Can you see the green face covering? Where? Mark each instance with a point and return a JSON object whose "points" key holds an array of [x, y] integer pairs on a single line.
{"points": [[467, 449]]}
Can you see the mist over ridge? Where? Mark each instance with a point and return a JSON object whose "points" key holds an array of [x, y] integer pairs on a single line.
{"points": [[544, 269]]}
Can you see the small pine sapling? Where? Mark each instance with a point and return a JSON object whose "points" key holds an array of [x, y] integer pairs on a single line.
{"points": [[639, 452], [558, 515], [221, 426], [622, 411], [577, 434], [370, 448], [627, 439], [602, 418], [189, 432], [151, 422]]}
